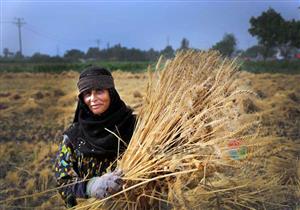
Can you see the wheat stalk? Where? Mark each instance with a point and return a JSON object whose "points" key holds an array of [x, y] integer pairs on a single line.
{"points": [[179, 153]]}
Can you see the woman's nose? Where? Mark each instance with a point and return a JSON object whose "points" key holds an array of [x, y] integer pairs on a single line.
{"points": [[93, 96]]}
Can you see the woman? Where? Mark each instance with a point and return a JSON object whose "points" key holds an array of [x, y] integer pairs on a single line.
{"points": [[89, 147]]}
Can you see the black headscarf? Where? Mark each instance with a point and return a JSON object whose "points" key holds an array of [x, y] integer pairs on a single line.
{"points": [[89, 134]]}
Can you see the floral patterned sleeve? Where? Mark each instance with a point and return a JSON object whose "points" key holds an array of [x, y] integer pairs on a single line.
{"points": [[65, 174]]}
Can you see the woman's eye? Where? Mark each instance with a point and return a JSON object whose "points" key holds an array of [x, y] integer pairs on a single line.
{"points": [[86, 94], [99, 91]]}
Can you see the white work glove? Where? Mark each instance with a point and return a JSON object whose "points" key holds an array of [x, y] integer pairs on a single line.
{"points": [[104, 186]]}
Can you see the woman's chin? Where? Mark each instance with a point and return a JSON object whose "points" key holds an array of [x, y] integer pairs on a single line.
{"points": [[97, 111]]}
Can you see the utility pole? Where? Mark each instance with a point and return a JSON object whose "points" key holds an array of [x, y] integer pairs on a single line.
{"points": [[57, 50], [19, 22], [168, 40], [98, 43]]}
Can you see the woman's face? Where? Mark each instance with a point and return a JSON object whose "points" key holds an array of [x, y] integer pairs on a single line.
{"points": [[98, 100]]}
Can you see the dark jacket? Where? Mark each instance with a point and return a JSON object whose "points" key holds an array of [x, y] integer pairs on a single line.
{"points": [[73, 168]]}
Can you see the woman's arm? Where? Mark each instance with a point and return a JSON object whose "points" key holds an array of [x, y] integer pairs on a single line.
{"points": [[66, 175]]}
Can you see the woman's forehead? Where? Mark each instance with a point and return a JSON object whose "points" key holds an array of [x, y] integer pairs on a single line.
{"points": [[94, 89]]}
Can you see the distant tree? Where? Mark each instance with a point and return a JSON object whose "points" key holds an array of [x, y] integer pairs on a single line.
{"points": [[93, 52], [227, 45], [256, 51], [74, 54], [6, 52], [268, 28], [38, 57], [19, 55], [253, 51], [168, 52], [134, 54], [118, 53], [238, 52], [273, 31], [184, 44], [289, 37], [152, 55], [57, 59], [294, 33]]}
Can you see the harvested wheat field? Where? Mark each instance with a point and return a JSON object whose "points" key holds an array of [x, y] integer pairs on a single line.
{"points": [[207, 137]]}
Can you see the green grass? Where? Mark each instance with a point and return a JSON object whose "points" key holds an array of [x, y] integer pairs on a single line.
{"points": [[125, 65], [59, 67], [287, 67], [284, 66]]}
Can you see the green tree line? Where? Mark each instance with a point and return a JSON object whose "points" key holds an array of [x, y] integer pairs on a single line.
{"points": [[114, 53]]}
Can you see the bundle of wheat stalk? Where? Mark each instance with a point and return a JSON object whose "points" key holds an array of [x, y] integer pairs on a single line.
{"points": [[193, 148]]}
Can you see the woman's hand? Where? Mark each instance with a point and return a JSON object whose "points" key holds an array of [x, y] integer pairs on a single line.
{"points": [[104, 186]]}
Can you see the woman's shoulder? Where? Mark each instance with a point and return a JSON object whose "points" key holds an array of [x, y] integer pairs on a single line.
{"points": [[132, 112], [74, 125], [72, 131]]}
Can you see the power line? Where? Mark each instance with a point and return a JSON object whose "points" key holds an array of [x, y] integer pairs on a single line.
{"points": [[29, 27], [47, 36], [6, 21], [54, 37]]}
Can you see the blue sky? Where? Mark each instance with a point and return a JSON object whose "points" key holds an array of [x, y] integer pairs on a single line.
{"points": [[54, 26]]}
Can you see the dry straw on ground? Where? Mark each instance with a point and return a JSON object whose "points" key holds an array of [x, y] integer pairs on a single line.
{"points": [[193, 148]]}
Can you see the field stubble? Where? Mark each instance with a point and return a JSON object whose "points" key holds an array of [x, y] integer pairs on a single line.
{"points": [[36, 108]]}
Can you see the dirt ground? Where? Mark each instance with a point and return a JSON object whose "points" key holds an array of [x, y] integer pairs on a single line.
{"points": [[36, 108]]}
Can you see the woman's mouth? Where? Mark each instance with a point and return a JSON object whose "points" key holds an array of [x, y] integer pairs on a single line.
{"points": [[96, 106]]}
